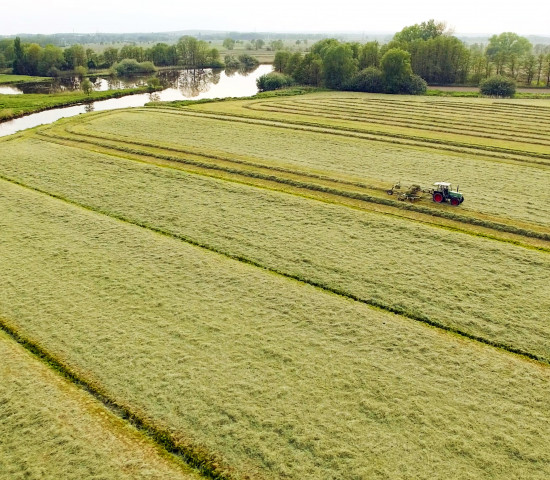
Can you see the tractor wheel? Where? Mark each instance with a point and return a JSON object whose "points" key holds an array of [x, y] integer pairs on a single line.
{"points": [[455, 201], [438, 197]]}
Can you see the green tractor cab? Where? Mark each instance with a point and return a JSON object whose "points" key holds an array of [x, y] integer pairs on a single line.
{"points": [[442, 192]]}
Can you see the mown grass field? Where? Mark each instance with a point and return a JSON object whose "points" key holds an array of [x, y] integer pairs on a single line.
{"points": [[51, 429], [233, 277], [340, 248]]}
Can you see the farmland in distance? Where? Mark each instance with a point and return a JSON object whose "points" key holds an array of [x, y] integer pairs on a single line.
{"points": [[234, 276]]}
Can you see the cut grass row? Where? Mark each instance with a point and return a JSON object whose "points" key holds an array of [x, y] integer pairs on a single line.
{"points": [[340, 190], [354, 111], [418, 114], [346, 129], [332, 191], [493, 113], [376, 259], [500, 189], [49, 429], [278, 377], [416, 131], [254, 110]]}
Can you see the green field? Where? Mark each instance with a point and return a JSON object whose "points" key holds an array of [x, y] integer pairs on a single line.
{"points": [[8, 79], [13, 106], [234, 279]]}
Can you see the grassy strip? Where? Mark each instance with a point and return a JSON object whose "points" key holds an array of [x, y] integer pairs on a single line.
{"points": [[300, 278], [456, 93], [286, 92], [412, 115], [338, 130], [52, 430], [15, 106], [395, 134], [208, 465], [326, 189], [10, 79], [358, 135], [358, 158]]}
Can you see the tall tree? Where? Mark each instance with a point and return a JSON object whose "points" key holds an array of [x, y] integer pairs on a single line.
{"points": [[422, 31], [51, 61], [338, 65], [229, 43], [310, 70], [507, 49], [75, 56], [110, 55], [280, 61], [31, 57], [369, 55], [396, 69], [19, 61]]}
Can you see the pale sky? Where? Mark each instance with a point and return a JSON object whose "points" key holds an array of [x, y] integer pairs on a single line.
{"points": [[466, 16]]}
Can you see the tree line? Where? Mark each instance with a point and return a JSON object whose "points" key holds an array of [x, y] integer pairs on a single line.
{"points": [[423, 50], [346, 66], [51, 60], [431, 52]]}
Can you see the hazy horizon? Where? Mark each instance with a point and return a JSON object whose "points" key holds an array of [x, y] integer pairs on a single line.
{"points": [[467, 18]]}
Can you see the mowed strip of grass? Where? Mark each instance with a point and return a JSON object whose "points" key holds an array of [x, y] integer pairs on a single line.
{"points": [[50, 429], [499, 292], [274, 109], [499, 188], [280, 378], [408, 115]]}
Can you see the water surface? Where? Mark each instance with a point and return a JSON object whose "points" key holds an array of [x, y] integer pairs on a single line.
{"points": [[180, 85]]}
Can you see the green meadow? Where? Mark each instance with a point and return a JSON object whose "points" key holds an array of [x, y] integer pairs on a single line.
{"points": [[230, 286]]}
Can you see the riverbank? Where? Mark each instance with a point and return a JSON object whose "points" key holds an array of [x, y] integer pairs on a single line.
{"points": [[15, 106], [7, 79]]}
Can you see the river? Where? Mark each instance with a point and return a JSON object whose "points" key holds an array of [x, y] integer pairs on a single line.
{"points": [[180, 85]]}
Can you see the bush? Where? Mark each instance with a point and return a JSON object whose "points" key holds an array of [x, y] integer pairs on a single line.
{"points": [[86, 86], [52, 72], [274, 81], [129, 66], [368, 80], [153, 84], [80, 71], [414, 85], [247, 61], [498, 86], [231, 62]]}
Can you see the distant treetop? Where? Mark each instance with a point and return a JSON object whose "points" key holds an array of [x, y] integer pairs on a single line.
{"points": [[424, 31]]}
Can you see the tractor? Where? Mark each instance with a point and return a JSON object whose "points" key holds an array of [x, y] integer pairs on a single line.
{"points": [[442, 192]]}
